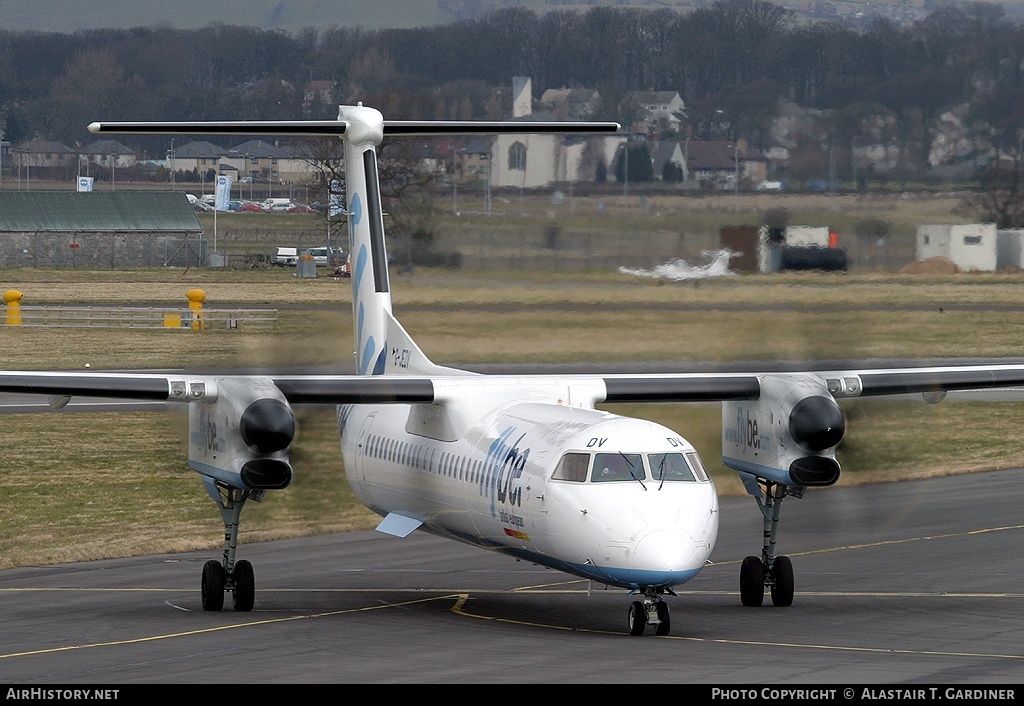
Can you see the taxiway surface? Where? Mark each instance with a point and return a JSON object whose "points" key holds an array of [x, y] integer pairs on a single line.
{"points": [[910, 582]]}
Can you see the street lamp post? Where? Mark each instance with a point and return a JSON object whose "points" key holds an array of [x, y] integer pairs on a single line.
{"points": [[736, 177], [487, 186]]}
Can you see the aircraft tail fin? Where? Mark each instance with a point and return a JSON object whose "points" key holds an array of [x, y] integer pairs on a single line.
{"points": [[362, 129]]}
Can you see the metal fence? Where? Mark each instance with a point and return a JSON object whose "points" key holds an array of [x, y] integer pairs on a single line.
{"points": [[496, 246], [141, 317]]}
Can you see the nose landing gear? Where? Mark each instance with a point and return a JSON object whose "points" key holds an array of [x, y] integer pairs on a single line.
{"points": [[652, 610]]}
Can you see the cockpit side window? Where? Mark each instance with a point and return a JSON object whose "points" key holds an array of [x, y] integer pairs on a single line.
{"points": [[618, 466], [669, 467], [572, 467], [697, 466]]}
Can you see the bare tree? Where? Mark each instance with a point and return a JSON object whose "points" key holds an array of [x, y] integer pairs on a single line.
{"points": [[408, 178], [999, 198]]}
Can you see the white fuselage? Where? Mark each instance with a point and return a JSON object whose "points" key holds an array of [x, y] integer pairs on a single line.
{"points": [[481, 471]]}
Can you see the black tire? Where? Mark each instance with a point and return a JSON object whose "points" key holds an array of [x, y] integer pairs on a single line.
{"points": [[213, 585], [665, 624], [245, 587], [637, 618], [752, 582], [782, 582]]}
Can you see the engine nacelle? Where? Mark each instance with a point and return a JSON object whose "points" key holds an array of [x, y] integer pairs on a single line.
{"points": [[788, 435], [242, 438]]}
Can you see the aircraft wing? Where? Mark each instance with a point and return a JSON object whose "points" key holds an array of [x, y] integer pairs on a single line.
{"points": [[183, 387], [653, 387], [862, 382], [897, 381]]}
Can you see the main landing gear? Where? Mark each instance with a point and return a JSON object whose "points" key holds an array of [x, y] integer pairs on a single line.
{"points": [[228, 575], [652, 610], [769, 570]]}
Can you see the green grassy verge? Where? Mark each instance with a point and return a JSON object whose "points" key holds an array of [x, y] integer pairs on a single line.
{"points": [[93, 485]]}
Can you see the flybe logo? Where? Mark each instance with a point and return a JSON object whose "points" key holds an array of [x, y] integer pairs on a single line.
{"points": [[203, 434], [746, 433], [503, 470]]}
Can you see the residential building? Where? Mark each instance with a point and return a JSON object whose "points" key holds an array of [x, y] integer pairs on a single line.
{"points": [[45, 159], [657, 111], [199, 156], [109, 154], [669, 157], [724, 164], [570, 103]]}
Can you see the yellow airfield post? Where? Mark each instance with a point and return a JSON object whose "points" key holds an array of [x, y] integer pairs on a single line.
{"points": [[195, 304], [12, 297]]}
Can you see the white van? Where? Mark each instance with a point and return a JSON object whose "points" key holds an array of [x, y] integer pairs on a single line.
{"points": [[277, 205]]}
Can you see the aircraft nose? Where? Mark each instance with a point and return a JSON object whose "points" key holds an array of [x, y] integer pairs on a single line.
{"points": [[664, 550]]}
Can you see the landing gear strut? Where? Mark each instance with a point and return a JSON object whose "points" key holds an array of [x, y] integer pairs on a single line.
{"points": [[652, 610], [769, 570], [228, 575]]}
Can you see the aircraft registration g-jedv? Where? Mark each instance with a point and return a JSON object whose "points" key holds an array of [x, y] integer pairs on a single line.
{"points": [[526, 465]]}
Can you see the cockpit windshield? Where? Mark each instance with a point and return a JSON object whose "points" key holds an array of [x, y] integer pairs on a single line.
{"points": [[617, 466], [604, 467], [670, 467]]}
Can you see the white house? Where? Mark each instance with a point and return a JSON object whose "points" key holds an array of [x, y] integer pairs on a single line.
{"points": [[659, 109]]}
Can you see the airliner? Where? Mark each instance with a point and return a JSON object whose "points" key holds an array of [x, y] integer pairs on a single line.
{"points": [[525, 465]]}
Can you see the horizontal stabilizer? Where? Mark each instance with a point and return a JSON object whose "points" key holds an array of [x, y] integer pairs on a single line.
{"points": [[308, 128], [338, 128], [398, 525], [425, 128]]}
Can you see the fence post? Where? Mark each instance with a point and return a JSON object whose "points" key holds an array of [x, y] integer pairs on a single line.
{"points": [[195, 303], [12, 297]]}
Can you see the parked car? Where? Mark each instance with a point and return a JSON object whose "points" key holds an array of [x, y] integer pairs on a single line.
{"points": [[198, 204], [323, 259], [286, 256]]}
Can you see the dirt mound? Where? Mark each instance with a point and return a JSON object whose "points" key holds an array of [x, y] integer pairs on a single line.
{"points": [[931, 266]]}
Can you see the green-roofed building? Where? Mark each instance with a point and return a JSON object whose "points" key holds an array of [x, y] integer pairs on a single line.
{"points": [[99, 229]]}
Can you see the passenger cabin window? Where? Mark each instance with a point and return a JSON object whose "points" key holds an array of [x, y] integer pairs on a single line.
{"points": [[572, 467], [617, 466], [669, 467]]}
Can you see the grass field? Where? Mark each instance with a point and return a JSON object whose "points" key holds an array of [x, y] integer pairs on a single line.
{"points": [[92, 485]]}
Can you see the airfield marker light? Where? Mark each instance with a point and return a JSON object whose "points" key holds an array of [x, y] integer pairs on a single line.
{"points": [[12, 297]]}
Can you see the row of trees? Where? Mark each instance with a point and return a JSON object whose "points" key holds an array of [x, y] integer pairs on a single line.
{"points": [[737, 55], [737, 58]]}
